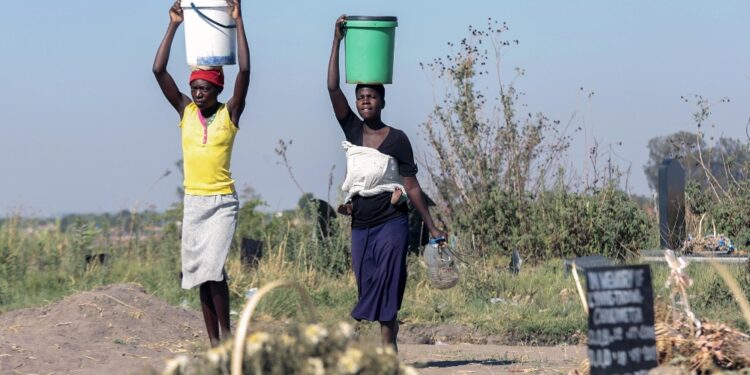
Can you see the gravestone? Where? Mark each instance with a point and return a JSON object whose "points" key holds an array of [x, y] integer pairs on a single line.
{"points": [[251, 251], [588, 261], [96, 259], [621, 335], [320, 211], [671, 204], [326, 215], [515, 262], [418, 233]]}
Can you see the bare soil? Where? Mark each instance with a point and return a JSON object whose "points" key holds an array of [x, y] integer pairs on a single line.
{"points": [[491, 359], [117, 329], [121, 329]]}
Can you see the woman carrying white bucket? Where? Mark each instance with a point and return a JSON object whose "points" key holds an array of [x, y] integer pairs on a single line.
{"points": [[210, 204]]}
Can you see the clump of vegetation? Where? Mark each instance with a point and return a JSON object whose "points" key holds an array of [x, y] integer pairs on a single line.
{"points": [[498, 173], [538, 305], [716, 170], [607, 221], [305, 349]]}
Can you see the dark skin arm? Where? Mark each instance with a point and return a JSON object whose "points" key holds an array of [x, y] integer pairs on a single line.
{"points": [[177, 99], [414, 192], [338, 100], [341, 109], [236, 105]]}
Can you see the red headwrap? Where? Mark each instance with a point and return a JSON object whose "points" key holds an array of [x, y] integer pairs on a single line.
{"points": [[214, 76]]}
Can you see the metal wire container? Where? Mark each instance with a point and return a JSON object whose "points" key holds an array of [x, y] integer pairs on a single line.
{"points": [[442, 265]]}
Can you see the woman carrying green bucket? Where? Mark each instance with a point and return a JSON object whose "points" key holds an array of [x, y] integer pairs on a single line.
{"points": [[210, 203], [381, 173]]}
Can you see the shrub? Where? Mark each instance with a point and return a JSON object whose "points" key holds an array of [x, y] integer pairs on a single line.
{"points": [[604, 222], [492, 166]]}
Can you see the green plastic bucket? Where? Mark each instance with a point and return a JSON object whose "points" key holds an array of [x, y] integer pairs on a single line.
{"points": [[369, 44]]}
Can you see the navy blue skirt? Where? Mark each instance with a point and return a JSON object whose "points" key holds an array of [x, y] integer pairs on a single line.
{"points": [[379, 262]]}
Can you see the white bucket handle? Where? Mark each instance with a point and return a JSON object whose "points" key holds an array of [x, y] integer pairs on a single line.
{"points": [[205, 17]]}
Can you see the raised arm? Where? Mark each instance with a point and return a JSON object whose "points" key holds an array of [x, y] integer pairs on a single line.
{"points": [[236, 105], [340, 106], [178, 100], [414, 191]]}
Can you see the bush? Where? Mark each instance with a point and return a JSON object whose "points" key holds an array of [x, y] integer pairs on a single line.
{"points": [[605, 222], [492, 167], [731, 213], [305, 349]]}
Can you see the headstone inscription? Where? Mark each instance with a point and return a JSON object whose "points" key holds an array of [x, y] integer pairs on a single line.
{"points": [[621, 336]]}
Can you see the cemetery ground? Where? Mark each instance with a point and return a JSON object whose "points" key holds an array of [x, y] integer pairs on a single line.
{"points": [[492, 322], [120, 329]]}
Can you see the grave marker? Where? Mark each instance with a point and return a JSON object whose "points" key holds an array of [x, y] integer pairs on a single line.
{"points": [[96, 259], [326, 216], [587, 261], [671, 204], [621, 336], [251, 251]]}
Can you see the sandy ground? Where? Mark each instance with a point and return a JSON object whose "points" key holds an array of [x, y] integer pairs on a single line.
{"points": [[120, 329], [491, 359], [117, 329]]}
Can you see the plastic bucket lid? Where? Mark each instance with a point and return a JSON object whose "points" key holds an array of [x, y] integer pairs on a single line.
{"points": [[370, 21]]}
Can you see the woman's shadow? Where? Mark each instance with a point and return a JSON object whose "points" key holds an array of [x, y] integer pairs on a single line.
{"points": [[463, 362]]}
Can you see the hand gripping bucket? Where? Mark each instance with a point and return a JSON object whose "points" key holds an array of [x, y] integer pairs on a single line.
{"points": [[442, 267], [369, 44], [210, 33]]}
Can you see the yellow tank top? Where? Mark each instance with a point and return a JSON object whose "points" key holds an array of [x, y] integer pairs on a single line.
{"points": [[207, 152]]}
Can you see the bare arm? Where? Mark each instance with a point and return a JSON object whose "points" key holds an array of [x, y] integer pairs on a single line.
{"points": [[166, 82], [338, 100], [414, 192], [236, 105]]}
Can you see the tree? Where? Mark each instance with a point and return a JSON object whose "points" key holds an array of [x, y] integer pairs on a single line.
{"points": [[682, 146], [499, 171], [728, 160], [488, 157]]}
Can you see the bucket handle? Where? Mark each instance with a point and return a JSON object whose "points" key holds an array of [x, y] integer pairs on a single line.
{"points": [[205, 17]]}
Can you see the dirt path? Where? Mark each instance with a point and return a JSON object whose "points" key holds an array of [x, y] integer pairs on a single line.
{"points": [[120, 329], [491, 359]]}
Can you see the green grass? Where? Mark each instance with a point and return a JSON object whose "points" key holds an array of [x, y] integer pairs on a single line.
{"points": [[538, 306], [709, 296]]}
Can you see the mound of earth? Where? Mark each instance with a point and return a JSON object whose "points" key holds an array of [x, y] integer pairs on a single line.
{"points": [[117, 329], [121, 329]]}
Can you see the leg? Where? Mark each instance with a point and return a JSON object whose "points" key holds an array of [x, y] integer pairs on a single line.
{"points": [[220, 299], [389, 333], [209, 314]]}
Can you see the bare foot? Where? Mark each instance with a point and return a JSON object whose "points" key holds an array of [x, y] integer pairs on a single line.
{"points": [[215, 342]]}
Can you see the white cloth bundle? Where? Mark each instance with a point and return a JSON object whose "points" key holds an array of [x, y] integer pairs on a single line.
{"points": [[369, 172]]}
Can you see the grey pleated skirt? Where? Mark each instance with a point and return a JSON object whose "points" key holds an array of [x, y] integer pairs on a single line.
{"points": [[208, 225]]}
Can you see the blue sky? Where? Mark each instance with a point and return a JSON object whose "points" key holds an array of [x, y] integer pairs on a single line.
{"points": [[86, 128]]}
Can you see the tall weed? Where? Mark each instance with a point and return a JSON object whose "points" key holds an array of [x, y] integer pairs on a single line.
{"points": [[498, 173]]}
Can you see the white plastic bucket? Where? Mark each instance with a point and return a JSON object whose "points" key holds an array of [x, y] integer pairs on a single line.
{"points": [[210, 33]]}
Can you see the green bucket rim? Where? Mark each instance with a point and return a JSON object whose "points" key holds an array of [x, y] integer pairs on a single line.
{"points": [[372, 18], [371, 21]]}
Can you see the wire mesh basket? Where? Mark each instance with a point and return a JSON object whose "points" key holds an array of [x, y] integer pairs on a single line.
{"points": [[442, 266]]}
